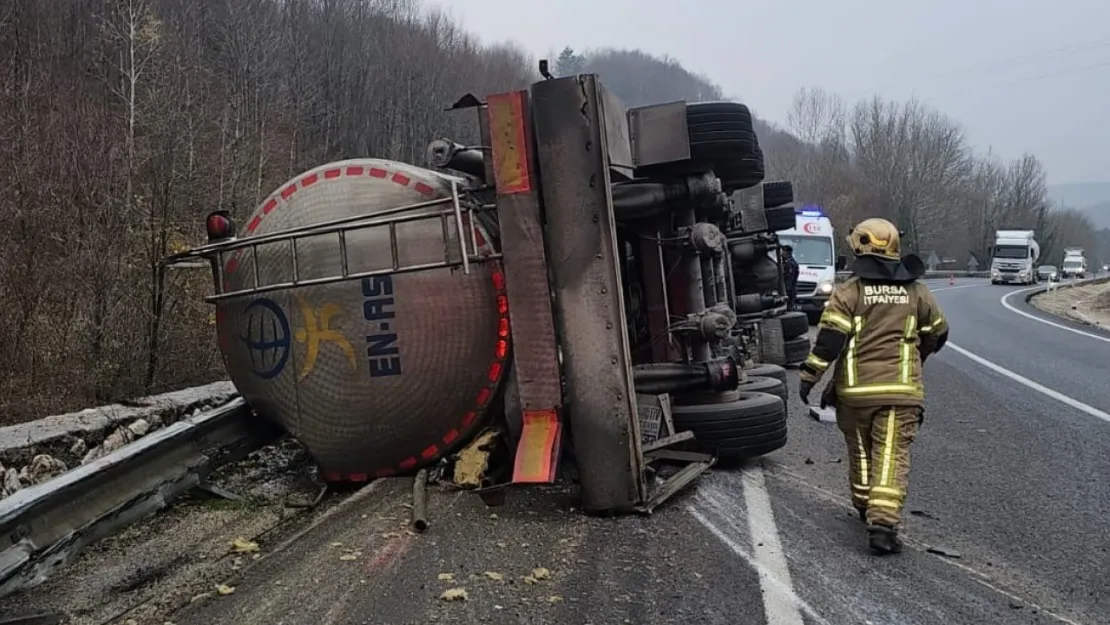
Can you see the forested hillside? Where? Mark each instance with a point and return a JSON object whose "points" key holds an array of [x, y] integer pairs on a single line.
{"points": [[124, 122]]}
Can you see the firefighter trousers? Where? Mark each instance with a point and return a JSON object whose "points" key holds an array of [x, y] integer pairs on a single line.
{"points": [[879, 440]]}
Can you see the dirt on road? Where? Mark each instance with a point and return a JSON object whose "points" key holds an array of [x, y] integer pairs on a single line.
{"points": [[1088, 303]]}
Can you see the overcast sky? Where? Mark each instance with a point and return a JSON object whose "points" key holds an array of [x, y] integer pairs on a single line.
{"points": [[1021, 76]]}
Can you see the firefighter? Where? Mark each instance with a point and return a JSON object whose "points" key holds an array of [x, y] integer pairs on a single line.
{"points": [[878, 327], [789, 275]]}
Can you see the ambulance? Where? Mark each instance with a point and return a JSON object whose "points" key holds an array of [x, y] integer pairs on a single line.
{"points": [[815, 251]]}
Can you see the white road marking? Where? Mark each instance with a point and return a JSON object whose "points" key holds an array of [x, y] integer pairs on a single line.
{"points": [[1014, 309], [1040, 388], [781, 604], [959, 286], [780, 607]]}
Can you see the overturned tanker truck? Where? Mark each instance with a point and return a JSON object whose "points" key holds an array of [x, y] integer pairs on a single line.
{"points": [[568, 282]]}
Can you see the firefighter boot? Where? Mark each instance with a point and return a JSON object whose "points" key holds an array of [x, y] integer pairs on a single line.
{"points": [[884, 539]]}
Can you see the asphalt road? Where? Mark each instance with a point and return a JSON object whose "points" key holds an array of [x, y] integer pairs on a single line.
{"points": [[1010, 480]]}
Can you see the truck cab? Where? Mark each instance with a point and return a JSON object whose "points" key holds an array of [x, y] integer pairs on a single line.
{"points": [[1014, 256], [1075, 264], [815, 250]]}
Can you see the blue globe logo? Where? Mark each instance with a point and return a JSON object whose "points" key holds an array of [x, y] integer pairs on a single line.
{"points": [[268, 338]]}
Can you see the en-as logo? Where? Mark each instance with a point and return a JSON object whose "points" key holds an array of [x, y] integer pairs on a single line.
{"points": [[317, 331], [812, 227]]}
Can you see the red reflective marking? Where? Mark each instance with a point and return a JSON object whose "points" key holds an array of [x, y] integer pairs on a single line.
{"points": [[469, 418], [423, 188], [288, 192], [503, 327], [479, 238], [407, 464], [232, 264], [378, 173], [401, 179], [430, 452], [495, 372], [253, 225], [332, 173], [502, 304], [310, 180], [450, 436], [502, 349], [355, 171], [483, 396], [498, 280], [269, 206], [358, 477]]}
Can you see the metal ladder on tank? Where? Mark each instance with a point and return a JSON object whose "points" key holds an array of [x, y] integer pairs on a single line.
{"points": [[467, 249]]}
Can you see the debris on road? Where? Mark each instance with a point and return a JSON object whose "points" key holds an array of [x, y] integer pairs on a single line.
{"points": [[454, 594], [944, 551]]}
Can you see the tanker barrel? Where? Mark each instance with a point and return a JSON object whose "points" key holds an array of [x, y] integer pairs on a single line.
{"points": [[447, 154]]}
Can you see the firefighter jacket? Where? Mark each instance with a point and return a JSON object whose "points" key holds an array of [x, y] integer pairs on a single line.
{"points": [[878, 327]]}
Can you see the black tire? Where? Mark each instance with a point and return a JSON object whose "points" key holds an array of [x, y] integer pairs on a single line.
{"points": [[723, 139], [746, 250], [753, 425], [781, 218], [767, 371], [757, 384], [721, 133], [778, 193], [794, 324], [796, 350], [698, 113], [772, 345], [762, 275]]}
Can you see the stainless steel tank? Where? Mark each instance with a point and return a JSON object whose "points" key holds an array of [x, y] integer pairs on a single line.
{"points": [[375, 375]]}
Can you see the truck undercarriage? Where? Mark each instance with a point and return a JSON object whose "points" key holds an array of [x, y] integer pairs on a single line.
{"points": [[615, 261]]}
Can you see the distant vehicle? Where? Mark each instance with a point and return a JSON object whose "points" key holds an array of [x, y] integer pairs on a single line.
{"points": [[1048, 272], [1105, 268], [1075, 263], [1013, 256], [815, 251]]}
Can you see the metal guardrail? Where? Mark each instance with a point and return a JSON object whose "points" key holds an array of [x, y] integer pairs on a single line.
{"points": [[929, 275], [43, 527]]}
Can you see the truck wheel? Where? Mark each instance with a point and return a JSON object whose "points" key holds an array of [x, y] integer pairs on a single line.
{"points": [[760, 276], [751, 426], [772, 344], [722, 136], [781, 218], [758, 384], [777, 193], [796, 350], [767, 371], [794, 324]]}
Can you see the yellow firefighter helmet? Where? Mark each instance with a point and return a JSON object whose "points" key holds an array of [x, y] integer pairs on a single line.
{"points": [[875, 237]]}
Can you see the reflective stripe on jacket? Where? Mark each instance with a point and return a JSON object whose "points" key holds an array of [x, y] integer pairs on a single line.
{"points": [[885, 328]]}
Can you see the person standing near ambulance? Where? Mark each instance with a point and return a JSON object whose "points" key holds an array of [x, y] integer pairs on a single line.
{"points": [[879, 326]]}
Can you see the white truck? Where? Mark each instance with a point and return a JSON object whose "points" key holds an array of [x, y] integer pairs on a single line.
{"points": [[1075, 263], [815, 250], [1013, 256]]}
